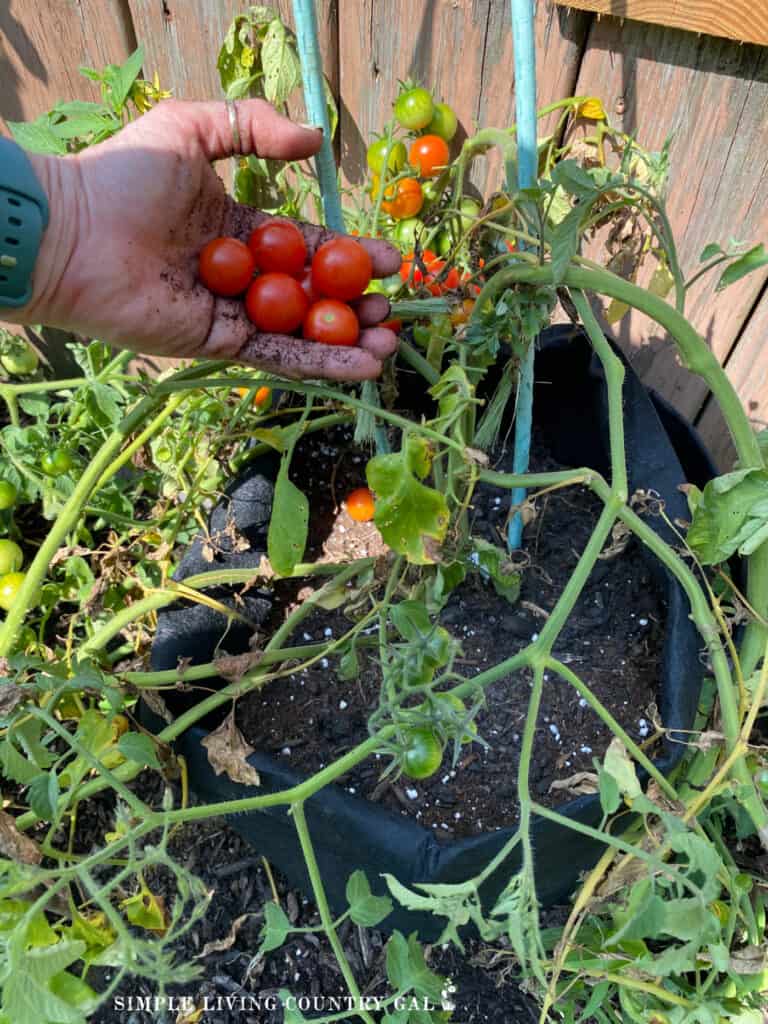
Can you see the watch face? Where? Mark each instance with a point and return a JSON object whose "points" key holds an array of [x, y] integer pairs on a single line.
{"points": [[24, 209]]}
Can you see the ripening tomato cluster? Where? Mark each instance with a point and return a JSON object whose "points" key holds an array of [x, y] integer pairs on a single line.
{"points": [[428, 154], [284, 291]]}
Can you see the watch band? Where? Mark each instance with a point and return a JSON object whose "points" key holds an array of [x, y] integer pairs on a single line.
{"points": [[23, 219]]}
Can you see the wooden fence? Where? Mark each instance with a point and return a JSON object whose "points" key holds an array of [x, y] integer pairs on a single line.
{"points": [[710, 94]]}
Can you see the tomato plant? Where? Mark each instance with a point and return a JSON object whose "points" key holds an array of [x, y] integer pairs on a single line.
{"points": [[444, 122], [332, 323], [8, 495], [429, 155], [279, 246], [226, 266], [276, 303], [360, 505], [341, 269], [397, 156], [422, 753], [414, 109], [11, 557], [10, 584], [56, 462]]}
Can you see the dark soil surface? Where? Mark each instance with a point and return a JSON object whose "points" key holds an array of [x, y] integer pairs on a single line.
{"points": [[236, 986], [612, 641]]}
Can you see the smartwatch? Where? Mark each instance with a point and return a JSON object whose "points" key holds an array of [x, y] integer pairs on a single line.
{"points": [[23, 219]]}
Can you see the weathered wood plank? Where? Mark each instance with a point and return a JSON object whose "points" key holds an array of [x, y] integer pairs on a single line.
{"points": [[747, 368], [42, 44], [744, 20], [460, 49], [712, 97]]}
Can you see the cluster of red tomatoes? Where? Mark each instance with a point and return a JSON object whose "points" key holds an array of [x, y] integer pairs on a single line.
{"points": [[289, 293]]}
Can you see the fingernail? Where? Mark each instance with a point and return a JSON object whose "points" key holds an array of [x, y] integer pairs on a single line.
{"points": [[312, 127]]}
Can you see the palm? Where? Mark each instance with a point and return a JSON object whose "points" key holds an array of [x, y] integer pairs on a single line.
{"points": [[153, 200]]}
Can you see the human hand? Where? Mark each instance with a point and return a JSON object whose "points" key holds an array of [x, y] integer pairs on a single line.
{"points": [[129, 218]]}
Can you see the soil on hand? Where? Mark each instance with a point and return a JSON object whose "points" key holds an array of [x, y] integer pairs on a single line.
{"points": [[612, 641]]}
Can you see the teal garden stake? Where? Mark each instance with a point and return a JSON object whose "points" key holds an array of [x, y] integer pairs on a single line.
{"points": [[527, 165]]}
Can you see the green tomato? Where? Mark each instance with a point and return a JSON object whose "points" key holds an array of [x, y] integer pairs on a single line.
{"points": [[423, 753], [8, 495], [414, 109], [19, 358], [470, 211], [56, 463], [444, 122], [388, 286], [459, 706], [11, 557], [10, 584], [407, 231], [398, 154], [432, 191], [443, 242]]}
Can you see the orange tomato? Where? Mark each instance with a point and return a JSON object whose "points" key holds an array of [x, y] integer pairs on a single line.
{"points": [[402, 200], [360, 505], [392, 325], [429, 154]]}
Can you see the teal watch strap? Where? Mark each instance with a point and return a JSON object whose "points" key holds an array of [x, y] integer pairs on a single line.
{"points": [[23, 219]]}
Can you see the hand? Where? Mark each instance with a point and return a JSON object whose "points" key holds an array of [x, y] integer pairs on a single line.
{"points": [[129, 218]]}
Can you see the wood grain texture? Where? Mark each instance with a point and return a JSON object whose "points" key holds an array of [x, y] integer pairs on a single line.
{"points": [[747, 369], [42, 44], [460, 49], [712, 97], [744, 20]]}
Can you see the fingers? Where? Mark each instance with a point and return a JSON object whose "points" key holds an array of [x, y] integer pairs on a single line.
{"points": [[291, 357], [371, 309], [241, 220], [263, 132], [233, 336]]}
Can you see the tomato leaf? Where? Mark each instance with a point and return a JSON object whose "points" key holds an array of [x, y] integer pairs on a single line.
{"points": [[139, 748], [409, 514], [44, 795], [493, 562], [289, 524], [122, 78], [731, 515], [710, 251], [569, 174], [754, 259], [282, 71], [275, 928], [37, 136], [27, 991], [364, 908]]}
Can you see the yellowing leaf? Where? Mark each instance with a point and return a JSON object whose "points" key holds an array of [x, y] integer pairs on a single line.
{"points": [[14, 844], [661, 282], [592, 108], [615, 311], [146, 910]]}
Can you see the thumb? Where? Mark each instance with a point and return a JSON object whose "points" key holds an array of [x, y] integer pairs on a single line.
{"points": [[263, 132]]}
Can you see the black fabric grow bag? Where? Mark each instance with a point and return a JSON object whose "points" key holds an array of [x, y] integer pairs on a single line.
{"points": [[348, 833]]}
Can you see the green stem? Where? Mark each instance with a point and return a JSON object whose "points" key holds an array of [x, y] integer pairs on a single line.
{"points": [[418, 362], [125, 456], [321, 900]]}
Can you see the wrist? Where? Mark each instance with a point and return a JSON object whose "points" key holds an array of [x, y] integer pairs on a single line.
{"points": [[58, 177]]}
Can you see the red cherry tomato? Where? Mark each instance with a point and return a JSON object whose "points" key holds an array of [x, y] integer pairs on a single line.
{"points": [[331, 323], [430, 155], [360, 505], [341, 269], [392, 325], [276, 303], [278, 246], [226, 266], [428, 258], [305, 280]]}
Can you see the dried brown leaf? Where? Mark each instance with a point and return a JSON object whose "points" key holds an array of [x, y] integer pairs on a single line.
{"points": [[580, 783], [15, 845], [219, 945], [749, 960], [227, 753], [233, 667], [11, 696], [155, 702]]}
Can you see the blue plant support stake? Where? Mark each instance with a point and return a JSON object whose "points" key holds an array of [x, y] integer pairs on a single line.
{"points": [[523, 41], [317, 111]]}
